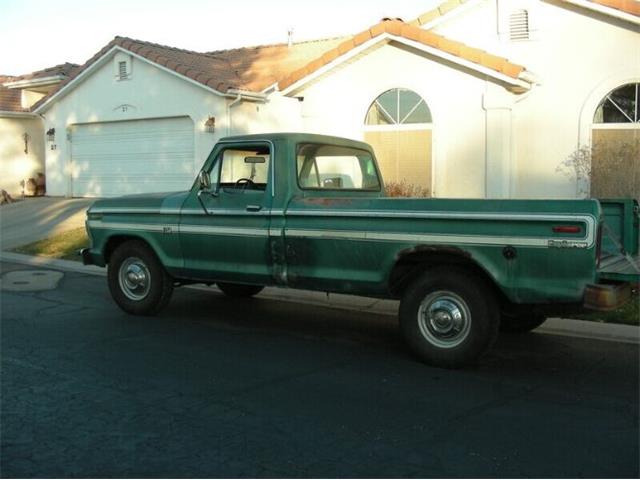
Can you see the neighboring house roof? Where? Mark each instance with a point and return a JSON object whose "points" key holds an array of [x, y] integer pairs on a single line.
{"points": [[400, 29], [437, 13], [64, 69], [252, 69], [262, 66], [10, 100]]}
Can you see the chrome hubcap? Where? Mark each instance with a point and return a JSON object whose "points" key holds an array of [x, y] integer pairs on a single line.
{"points": [[444, 319], [134, 279]]}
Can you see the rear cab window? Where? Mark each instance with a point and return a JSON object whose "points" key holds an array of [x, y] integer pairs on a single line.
{"points": [[333, 167]]}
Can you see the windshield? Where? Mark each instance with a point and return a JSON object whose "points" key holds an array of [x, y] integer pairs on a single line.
{"points": [[331, 167]]}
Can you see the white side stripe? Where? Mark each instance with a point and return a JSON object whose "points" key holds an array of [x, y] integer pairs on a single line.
{"points": [[418, 238]]}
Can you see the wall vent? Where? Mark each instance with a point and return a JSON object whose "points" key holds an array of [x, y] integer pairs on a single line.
{"points": [[519, 25], [122, 70]]}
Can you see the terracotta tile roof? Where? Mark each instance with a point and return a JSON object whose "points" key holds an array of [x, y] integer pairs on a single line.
{"points": [[252, 69], [64, 69], [631, 7], [262, 66], [10, 100], [439, 11], [410, 32], [256, 68]]}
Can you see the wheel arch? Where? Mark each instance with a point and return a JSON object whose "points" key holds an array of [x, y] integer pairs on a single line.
{"points": [[412, 262], [115, 240]]}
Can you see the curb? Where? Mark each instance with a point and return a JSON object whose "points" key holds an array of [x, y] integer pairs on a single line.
{"points": [[610, 332]]}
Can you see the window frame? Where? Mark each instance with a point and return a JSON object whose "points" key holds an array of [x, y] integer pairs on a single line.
{"points": [[219, 158], [607, 98]]}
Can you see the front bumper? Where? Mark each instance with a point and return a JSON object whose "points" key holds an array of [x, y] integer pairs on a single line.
{"points": [[86, 256]]}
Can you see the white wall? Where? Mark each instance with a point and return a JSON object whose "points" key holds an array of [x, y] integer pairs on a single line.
{"points": [[337, 105], [151, 92], [578, 56], [15, 165]]}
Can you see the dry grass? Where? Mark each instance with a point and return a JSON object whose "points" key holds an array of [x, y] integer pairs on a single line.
{"points": [[62, 245], [406, 189]]}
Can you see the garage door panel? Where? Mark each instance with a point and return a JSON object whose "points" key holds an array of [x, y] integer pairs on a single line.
{"points": [[141, 156]]}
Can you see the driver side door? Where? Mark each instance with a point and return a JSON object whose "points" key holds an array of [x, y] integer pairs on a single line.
{"points": [[230, 242]]}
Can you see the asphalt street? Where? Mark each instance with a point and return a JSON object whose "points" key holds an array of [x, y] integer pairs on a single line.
{"points": [[215, 387]]}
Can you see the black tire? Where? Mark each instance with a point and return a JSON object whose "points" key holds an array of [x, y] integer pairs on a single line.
{"points": [[522, 323], [137, 280], [449, 317], [237, 290]]}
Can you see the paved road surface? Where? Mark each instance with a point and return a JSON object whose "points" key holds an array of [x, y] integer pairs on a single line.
{"points": [[215, 387]]}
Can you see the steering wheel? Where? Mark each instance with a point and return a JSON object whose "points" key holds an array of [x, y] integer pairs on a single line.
{"points": [[246, 181]]}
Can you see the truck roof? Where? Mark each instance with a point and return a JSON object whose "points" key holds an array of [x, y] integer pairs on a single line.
{"points": [[297, 137]]}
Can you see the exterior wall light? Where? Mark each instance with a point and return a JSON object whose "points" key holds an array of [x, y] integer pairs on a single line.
{"points": [[51, 135], [210, 125]]}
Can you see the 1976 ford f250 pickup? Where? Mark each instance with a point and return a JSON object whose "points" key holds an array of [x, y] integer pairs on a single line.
{"points": [[309, 212]]}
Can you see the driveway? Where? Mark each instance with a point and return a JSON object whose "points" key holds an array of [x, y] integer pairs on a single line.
{"points": [[36, 218], [215, 387]]}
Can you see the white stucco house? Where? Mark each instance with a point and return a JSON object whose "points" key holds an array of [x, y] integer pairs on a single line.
{"points": [[21, 130], [475, 99]]}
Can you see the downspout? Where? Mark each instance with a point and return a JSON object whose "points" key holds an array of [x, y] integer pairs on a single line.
{"points": [[229, 106]]}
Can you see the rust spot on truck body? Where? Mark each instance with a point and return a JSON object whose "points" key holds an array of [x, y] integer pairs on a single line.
{"points": [[327, 202]]}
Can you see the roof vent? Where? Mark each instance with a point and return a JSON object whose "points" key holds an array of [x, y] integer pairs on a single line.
{"points": [[519, 25], [392, 19]]}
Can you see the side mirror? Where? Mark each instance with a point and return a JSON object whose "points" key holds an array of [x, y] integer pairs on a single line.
{"points": [[204, 180]]}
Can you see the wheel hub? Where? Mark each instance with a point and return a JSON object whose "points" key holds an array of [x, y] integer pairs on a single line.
{"points": [[134, 278], [444, 319]]}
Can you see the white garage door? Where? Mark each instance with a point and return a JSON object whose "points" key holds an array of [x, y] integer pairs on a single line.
{"points": [[140, 156]]}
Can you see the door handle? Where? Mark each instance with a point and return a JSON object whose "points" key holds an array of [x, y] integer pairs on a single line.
{"points": [[254, 208]]}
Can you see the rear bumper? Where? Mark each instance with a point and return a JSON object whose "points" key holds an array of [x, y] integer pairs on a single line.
{"points": [[606, 296]]}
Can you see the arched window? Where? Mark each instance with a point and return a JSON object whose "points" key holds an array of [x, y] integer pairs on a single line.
{"points": [[620, 106], [615, 144], [398, 126], [398, 106]]}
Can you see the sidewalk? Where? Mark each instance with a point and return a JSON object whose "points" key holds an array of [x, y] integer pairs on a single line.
{"points": [[553, 326]]}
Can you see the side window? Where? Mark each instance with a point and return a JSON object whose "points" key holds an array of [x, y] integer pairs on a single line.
{"points": [[336, 168], [244, 169]]}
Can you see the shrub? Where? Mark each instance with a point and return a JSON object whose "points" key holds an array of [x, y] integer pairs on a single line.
{"points": [[406, 189]]}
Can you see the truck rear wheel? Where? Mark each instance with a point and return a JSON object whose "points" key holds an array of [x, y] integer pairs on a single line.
{"points": [[237, 290], [520, 323], [449, 317], [137, 280]]}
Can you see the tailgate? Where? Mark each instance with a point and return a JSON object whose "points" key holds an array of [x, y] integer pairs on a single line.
{"points": [[620, 258]]}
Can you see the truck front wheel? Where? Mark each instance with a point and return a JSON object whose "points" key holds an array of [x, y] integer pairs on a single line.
{"points": [[449, 317], [137, 280]]}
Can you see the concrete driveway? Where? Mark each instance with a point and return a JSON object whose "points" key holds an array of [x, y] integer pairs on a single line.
{"points": [[36, 218]]}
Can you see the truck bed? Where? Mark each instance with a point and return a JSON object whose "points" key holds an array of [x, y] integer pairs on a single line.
{"points": [[620, 267]]}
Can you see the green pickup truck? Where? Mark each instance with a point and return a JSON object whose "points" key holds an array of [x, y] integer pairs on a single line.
{"points": [[309, 211]]}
